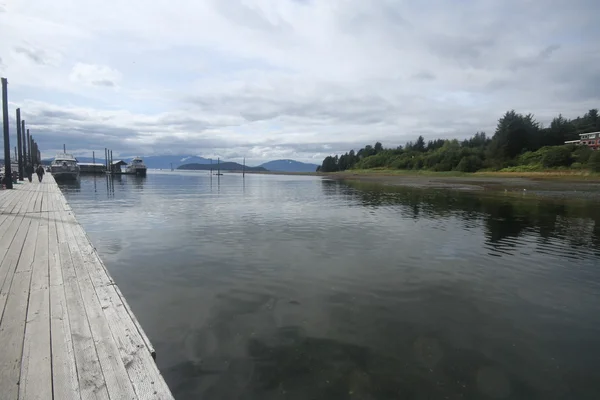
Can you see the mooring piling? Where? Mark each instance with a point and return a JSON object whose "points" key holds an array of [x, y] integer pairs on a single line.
{"points": [[19, 145], [7, 167]]}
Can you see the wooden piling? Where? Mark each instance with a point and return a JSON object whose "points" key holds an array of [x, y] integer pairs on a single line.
{"points": [[24, 144], [7, 166], [19, 145], [29, 157], [33, 153], [36, 153]]}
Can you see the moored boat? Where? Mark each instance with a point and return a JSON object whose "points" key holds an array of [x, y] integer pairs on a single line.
{"points": [[137, 167], [64, 167]]}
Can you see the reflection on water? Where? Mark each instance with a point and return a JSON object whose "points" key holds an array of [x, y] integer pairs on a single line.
{"points": [[296, 287]]}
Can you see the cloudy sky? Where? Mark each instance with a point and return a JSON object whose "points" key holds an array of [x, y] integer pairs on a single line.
{"points": [[300, 79]]}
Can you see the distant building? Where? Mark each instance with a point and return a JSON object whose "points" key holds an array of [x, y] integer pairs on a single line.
{"points": [[92, 168], [591, 139], [115, 167]]}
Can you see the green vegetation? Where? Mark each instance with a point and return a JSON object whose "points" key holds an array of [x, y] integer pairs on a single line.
{"points": [[594, 161], [519, 144]]}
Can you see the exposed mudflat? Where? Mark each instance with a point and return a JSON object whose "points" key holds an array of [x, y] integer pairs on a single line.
{"points": [[542, 187]]}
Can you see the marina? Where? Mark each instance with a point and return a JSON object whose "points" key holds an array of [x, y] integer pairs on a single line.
{"points": [[66, 331]]}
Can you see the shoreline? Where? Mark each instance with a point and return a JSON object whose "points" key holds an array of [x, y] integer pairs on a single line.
{"points": [[541, 184], [548, 184]]}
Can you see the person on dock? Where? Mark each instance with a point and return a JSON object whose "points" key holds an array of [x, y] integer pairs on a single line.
{"points": [[40, 172], [29, 171]]}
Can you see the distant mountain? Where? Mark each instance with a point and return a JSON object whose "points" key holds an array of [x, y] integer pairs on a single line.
{"points": [[289, 166], [89, 160], [164, 162], [224, 166]]}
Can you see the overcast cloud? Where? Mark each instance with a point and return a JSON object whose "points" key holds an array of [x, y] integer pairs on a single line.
{"points": [[300, 79]]}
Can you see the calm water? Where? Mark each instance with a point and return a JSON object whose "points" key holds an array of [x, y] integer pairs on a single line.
{"points": [[288, 287]]}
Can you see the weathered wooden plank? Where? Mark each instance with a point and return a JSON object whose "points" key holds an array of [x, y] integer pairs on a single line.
{"points": [[45, 199], [40, 200], [12, 321], [66, 331], [117, 382], [11, 258], [28, 253], [54, 268], [9, 208], [40, 264], [89, 373], [12, 330], [145, 338], [13, 223], [36, 368], [9, 197], [133, 349], [101, 277], [140, 365], [64, 370], [11, 205]]}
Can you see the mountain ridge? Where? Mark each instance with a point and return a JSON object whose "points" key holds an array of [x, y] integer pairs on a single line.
{"points": [[165, 161], [289, 165]]}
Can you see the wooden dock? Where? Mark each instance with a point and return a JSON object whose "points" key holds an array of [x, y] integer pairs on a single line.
{"points": [[66, 331]]}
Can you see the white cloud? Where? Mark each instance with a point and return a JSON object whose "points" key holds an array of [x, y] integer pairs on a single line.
{"points": [[95, 75], [288, 78]]}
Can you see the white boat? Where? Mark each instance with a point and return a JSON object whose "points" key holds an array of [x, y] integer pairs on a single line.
{"points": [[64, 167], [137, 167]]}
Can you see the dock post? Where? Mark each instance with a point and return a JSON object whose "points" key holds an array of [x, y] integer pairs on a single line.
{"points": [[105, 160], [93, 157], [32, 144], [33, 151], [24, 143], [65, 148], [29, 156], [19, 145], [244, 168], [7, 172]]}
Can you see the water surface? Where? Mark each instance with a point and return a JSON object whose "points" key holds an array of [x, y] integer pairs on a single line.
{"points": [[294, 287]]}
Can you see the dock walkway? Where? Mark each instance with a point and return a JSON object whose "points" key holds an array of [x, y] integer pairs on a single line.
{"points": [[66, 331]]}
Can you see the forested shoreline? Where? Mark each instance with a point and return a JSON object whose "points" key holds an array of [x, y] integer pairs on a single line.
{"points": [[520, 143]]}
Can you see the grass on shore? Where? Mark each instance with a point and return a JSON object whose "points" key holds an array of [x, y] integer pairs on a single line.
{"points": [[563, 174]]}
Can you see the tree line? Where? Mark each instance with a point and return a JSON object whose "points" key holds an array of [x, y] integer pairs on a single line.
{"points": [[519, 143]]}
